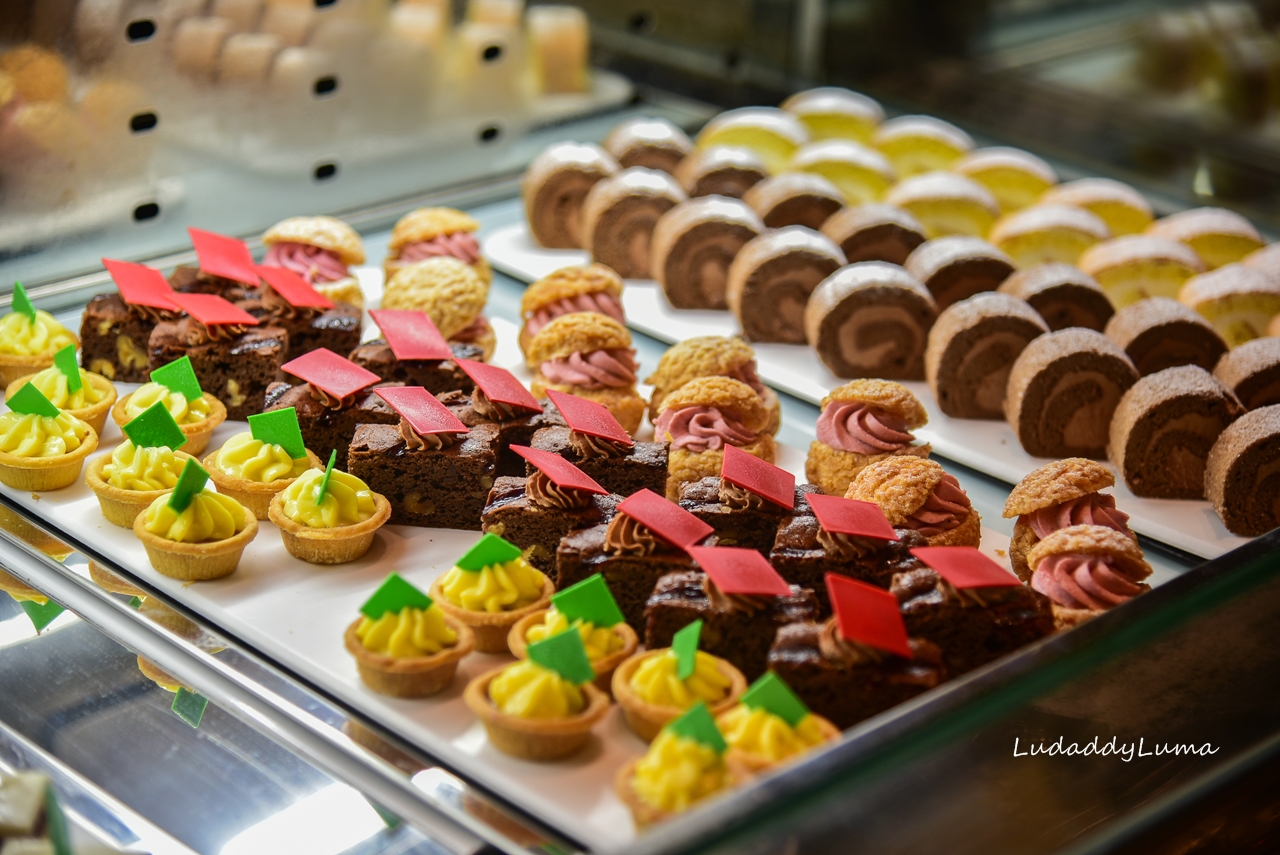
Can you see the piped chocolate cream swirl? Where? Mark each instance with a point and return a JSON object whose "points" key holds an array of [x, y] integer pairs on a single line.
{"points": [[415, 441], [732, 602], [495, 410], [329, 402], [588, 446], [739, 498], [837, 648], [628, 536], [545, 493]]}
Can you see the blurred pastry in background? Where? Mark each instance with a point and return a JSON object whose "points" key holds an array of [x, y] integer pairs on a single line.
{"points": [[433, 232], [38, 74], [452, 293], [693, 245], [555, 186], [1160, 333], [774, 135], [320, 250], [1062, 294], [648, 142], [917, 144], [588, 288], [619, 216], [794, 199], [1123, 209], [1134, 267], [861, 174], [721, 171], [1239, 301], [1217, 235], [1015, 177], [1252, 372], [874, 233], [955, 268], [1043, 234], [946, 204], [830, 112]]}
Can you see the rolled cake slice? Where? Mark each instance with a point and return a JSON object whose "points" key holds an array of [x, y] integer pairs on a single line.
{"points": [[1217, 235], [1123, 209], [1252, 372], [773, 134], [871, 319], [693, 245], [916, 493], [1266, 259], [860, 173], [554, 187], [946, 204], [1242, 474], [772, 277], [955, 268], [1134, 267], [1046, 233], [587, 288], [619, 216], [1063, 391], [703, 416], [916, 144], [1062, 294], [721, 171], [1239, 301], [794, 199], [710, 356], [1015, 177], [648, 142], [861, 422], [830, 112], [874, 233], [1159, 333], [1085, 570], [588, 355], [1164, 427], [971, 350]]}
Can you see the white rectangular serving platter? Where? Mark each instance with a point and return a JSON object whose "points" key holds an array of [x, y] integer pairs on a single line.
{"points": [[988, 446], [295, 614]]}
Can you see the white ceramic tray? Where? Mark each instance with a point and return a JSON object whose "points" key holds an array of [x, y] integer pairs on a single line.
{"points": [[988, 446], [295, 613]]}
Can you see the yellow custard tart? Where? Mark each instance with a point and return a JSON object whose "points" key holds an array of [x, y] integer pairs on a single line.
{"points": [[90, 403], [652, 695], [28, 346], [337, 528], [252, 471], [203, 541], [759, 739], [129, 479], [198, 418], [40, 453], [533, 713], [410, 653], [493, 598], [607, 646]]}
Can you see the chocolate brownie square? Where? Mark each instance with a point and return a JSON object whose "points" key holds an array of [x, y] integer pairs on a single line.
{"points": [[847, 682], [742, 636], [437, 376], [514, 431], [642, 466], [631, 578], [754, 526], [193, 280], [972, 626], [432, 487], [309, 329], [115, 337], [512, 514], [235, 370], [324, 429]]}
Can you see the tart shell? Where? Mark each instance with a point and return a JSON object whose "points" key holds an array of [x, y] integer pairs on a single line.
{"points": [[414, 676], [256, 496], [94, 415], [195, 562], [121, 507], [540, 739], [646, 720], [492, 630], [197, 433], [604, 668], [336, 545]]}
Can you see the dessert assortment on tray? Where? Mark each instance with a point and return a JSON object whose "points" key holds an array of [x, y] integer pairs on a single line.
{"points": [[1037, 320]]}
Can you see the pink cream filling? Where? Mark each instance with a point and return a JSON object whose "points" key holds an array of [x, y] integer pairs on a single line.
{"points": [[1091, 509], [858, 428], [601, 303], [310, 262], [472, 331], [1083, 582], [597, 369], [699, 429], [747, 374], [945, 509], [460, 245]]}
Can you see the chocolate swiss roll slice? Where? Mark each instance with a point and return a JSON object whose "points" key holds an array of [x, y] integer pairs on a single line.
{"points": [[956, 267], [972, 348], [648, 142], [874, 233], [555, 186], [1252, 372], [794, 199], [871, 319], [721, 171], [1159, 333], [619, 215], [693, 245], [1242, 474], [1063, 390], [1062, 294], [1164, 427], [772, 277]]}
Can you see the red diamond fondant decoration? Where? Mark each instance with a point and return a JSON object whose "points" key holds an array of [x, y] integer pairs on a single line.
{"points": [[838, 515], [422, 410], [664, 518], [411, 335], [868, 615], [224, 256], [740, 571], [588, 417], [328, 371], [965, 567], [141, 285], [293, 288], [561, 472], [759, 476], [212, 310], [499, 385]]}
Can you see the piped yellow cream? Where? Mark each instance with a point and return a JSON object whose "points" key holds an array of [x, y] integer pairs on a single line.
{"points": [[20, 336], [142, 469], [599, 641], [52, 383], [184, 412], [41, 436], [408, 633], [761, 733], [209, 517], [347, 501], [657, 682], [242, 456], [527, 690], [496, 588], [676, 772]]}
